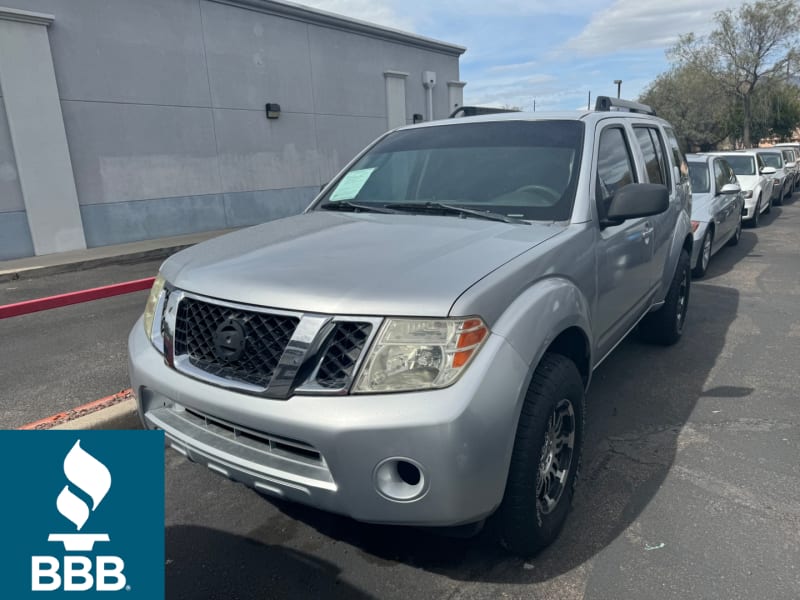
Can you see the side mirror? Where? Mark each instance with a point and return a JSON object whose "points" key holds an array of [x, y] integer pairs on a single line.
{"points": [[636, 200], [768, 171], [730, 188]]}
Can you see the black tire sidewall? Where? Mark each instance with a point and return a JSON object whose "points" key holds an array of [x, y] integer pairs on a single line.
{"points": [[523, 528]]}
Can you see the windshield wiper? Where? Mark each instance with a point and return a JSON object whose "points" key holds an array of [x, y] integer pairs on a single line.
{"points": [[346, 205], [451, 209]]}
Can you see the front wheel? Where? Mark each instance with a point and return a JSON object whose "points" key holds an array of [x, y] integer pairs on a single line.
{"points": [[665, 326], [737, 234], [705, 255], [545, 460], [756, 214]]}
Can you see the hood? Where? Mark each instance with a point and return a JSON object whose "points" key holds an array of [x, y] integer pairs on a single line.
{"points": [[358, 264], [748, 182]]}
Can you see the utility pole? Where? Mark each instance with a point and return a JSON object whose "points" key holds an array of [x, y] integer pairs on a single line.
{"points": [[619, 86], [589, 102]]}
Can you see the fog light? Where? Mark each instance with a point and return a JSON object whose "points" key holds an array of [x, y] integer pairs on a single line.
{"points": [[400, 479]]}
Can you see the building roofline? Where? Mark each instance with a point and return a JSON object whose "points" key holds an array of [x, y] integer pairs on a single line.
{"points": [[320, 17], [25, 16]]}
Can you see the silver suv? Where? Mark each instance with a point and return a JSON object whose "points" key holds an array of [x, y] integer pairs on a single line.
{"points": [[415, 348]]}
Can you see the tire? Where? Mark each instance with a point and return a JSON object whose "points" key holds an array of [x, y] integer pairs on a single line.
{"points": [[665, 326], [529, 518], [756, 214], [734, 239], [769, 206], [705, 254], [779, 200]]}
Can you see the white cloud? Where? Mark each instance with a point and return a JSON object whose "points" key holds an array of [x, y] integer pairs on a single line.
{"points": [[635, 24]]}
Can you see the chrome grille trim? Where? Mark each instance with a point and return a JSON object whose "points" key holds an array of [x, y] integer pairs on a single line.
{"points": [[299, 365]]}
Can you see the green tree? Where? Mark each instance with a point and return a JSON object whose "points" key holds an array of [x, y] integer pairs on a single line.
{"points": [[694, 103], [749, 48]]}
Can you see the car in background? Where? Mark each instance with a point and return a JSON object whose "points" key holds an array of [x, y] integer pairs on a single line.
{"points": [[717, 206], [755, 179], [781, 179], [795, 147], [790, 162]]}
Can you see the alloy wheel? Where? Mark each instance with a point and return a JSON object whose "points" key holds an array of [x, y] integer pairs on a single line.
{"points": [[556, 457]]}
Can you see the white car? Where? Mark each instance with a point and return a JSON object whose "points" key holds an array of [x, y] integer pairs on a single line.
{"points": [[755, 179], [790, 162], [795, 147], [782, 179]]}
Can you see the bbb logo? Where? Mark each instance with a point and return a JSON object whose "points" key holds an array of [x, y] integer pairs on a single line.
{"points": [[83, 514], [92, 477]]}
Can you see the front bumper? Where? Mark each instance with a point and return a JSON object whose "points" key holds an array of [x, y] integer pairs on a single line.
{"points": [[325, 451], [698, 241]]}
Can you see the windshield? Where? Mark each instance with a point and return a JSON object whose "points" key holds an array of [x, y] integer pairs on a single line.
{"points": [[741, 165], [698, 175], [520, 169], [772, 159]]}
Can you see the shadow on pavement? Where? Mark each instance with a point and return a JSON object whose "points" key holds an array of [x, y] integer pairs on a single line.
{"points": [[209, 564], [639, 402]]}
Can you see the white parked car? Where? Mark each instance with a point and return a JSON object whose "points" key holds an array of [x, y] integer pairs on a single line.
{"points": [[795, 158], [781, 180], [755, 179], [717, 204]]}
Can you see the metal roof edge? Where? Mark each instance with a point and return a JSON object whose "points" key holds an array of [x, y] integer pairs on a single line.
{"points": [[320, 17]]}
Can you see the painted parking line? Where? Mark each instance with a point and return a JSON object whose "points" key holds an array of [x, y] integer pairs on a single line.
{"points": [[106, 291], [80, 411]]}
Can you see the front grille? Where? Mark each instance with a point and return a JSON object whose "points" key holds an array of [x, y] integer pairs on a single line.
{"points": [[266, 338], [341, 355]]}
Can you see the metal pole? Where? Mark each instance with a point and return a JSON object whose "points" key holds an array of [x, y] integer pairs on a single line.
{"points": [[589, 102], [619, 86]]}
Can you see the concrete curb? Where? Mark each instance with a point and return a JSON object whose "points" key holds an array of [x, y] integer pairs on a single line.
{"points": [[123, 415], [90, 263]]}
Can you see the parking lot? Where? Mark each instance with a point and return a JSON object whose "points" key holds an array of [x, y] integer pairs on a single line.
{"points": [[689, 488]]}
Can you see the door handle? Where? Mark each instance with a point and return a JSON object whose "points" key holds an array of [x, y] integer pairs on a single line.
{"points": [[647, 232]]}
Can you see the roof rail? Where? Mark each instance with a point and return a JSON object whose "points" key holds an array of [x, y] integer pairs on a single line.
{"points": [[606, 103], [471, 111]]}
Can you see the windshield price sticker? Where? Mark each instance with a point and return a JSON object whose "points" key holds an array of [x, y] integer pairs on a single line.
{"points": [[351, 184]]}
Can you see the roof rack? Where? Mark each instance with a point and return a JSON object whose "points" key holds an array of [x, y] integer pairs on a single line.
{"points": [[471, 111], [606, 103]]}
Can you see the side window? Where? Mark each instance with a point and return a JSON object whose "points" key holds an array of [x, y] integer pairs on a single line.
{"points": [[614, 166], [649, 139], [729, 171], [720, 175], [677, 154], [759, 163]]}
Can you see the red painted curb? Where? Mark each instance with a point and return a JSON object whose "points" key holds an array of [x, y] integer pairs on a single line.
{"points": [[79, 411], [106, 291]]}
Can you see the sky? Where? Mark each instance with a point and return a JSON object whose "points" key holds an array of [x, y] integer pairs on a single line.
{"points": [[547, 51]]}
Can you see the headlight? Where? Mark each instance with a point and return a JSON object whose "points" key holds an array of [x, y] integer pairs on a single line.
{"points": [[420, 354], [152, 303]]}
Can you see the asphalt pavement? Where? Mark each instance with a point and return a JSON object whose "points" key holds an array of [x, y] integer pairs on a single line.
{"points": [[58, 359], [690, 486]]}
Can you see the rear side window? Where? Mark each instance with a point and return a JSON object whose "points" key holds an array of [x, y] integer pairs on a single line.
{"points": [[698, 176], [720, 175], [614, 166], [655, 162]]}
